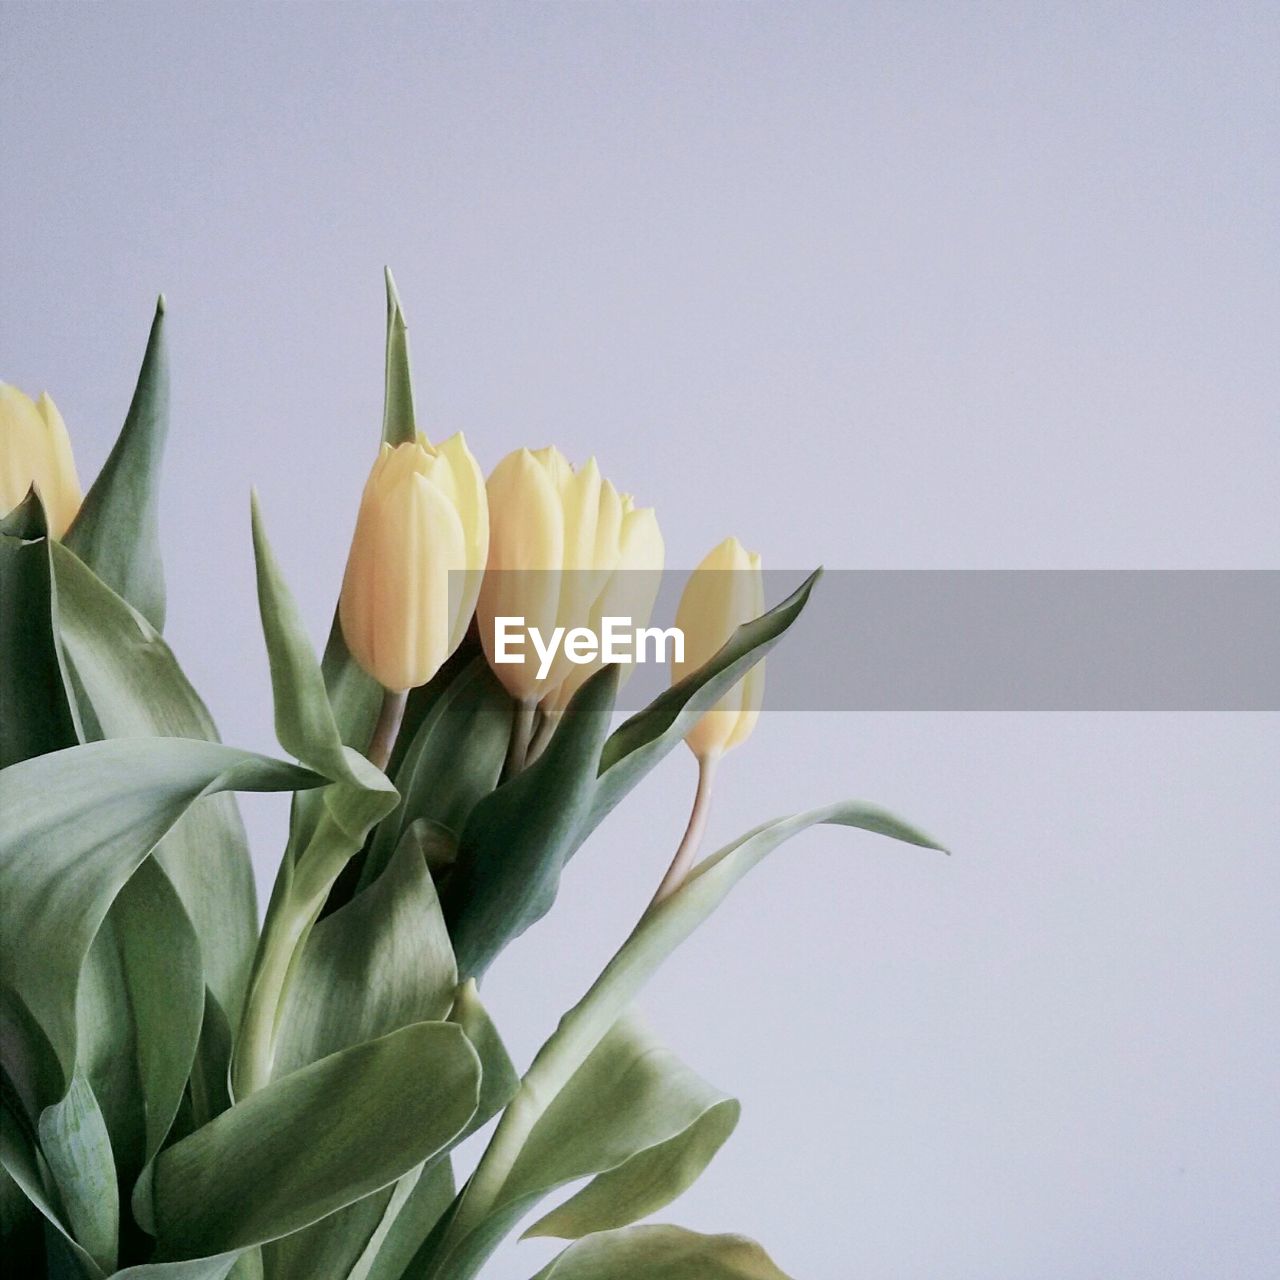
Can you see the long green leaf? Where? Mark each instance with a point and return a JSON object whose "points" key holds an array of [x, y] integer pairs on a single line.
{"points": [[116, 532], [483, 1214], [354, 694], [74, 1141], [139, 1012], [518, 838], [129, 684], [662, 1253], [78, 823], [317, 1140]]}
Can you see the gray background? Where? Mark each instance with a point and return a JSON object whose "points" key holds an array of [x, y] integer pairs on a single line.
{"points": [[900, 286]]}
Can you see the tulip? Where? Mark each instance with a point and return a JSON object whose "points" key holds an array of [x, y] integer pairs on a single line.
{"points": [[726, 590], [566, 550], [35, 450], [416, 561], [723, 592]]}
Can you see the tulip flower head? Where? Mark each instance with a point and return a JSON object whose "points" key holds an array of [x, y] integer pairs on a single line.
{"points": [[36, 450], [566, 550], [416, 560], [726, 590]]}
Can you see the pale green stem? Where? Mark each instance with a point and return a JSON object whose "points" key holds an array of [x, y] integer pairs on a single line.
{"points": [[521, 731], [693, 833], [391, 713], [550, 719]]}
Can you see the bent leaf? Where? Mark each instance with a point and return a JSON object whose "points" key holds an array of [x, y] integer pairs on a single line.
{"points": [[116, 532], [321, 1138], [78, 823], [662, 1253], [629, 1112]]}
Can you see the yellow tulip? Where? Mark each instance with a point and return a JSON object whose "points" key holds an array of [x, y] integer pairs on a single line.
{"points": [[726, 590], [35, 449], [566, 550], [416, 560]]}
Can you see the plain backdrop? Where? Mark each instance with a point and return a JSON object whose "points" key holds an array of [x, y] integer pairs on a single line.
{"points": [[900, 285]]}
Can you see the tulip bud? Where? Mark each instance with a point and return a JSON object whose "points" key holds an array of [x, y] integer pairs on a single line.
{"points": [[726, 590], [416, 560], [35, 449], [562, 553]]}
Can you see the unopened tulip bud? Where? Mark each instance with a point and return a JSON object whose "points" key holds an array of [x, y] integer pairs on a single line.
{"points": [[726, 590], [35, 449], [416, 560], [559, 540]]}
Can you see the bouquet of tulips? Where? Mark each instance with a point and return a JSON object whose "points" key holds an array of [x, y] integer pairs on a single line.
{"points": [[189, 1094]]}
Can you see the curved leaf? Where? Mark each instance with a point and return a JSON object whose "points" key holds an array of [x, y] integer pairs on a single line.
{"points": [[484, 1212], [662, 1253], [631, 1109], [380, 963], [517, 838], [116, 532], [78, 823], [319, 1139], [636, 1111]]}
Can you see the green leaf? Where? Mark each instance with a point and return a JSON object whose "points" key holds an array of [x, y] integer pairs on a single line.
{"points": [[404, 1232], [662, 1253], [381, 962], [633, 1113], [199, 1269], [452, 762], [518, 837], [486, 1210], [399, 423], [668, 923], [499, 1079], [74, 1142], [317, 1140], [78, 823], [636, 1111], [305, 723], [116, 532], [128, 684], [21, 1163], [140, 1008], [642, 741], [35, 715], [354, 694]]}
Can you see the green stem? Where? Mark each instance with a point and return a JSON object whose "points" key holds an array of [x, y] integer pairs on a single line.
{"points": [[521, 732]]}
